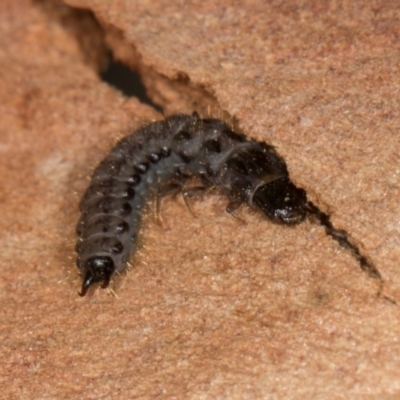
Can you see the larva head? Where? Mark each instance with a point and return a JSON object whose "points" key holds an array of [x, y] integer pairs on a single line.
{"points": [[98, 269], [281, 201]]}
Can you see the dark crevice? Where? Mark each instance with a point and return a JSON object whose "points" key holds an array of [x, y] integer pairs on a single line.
{"points": [[346, 241], [129, 82], [118, 63], [90, 35]]}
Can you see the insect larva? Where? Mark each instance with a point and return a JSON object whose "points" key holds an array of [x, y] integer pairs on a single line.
{"points": [[160, 158]]}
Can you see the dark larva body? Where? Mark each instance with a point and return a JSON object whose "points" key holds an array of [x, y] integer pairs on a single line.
{"points": [[159, 158]]}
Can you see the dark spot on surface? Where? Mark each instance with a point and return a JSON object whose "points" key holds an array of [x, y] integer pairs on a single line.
{"points": [[213, 146], [142, 167], [185, 157], [182, 135], [165, 151], [182, 77], [129, 194], [125, 210], [128, 81], [117, 248], [134, 179], [79, 229], [154, 157], [237, 165], [319, 297], [122, 227]]}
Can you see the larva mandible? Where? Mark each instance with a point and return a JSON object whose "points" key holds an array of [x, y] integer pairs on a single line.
{"points": [[160, 158]]}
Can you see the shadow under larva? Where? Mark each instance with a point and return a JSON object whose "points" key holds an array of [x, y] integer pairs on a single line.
{"points": [[157, 160]]}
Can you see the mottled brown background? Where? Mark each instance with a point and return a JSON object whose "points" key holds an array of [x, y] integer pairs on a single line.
{"points": [[213, 308]]}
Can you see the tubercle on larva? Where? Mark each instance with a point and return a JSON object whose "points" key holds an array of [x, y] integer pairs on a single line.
{"points": [[158, 159]]}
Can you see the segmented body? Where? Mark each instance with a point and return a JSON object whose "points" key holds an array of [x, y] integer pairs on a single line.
{"points": [[162, 156]]}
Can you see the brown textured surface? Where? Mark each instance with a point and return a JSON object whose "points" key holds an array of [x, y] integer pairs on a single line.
{"points": [[213, 308]]}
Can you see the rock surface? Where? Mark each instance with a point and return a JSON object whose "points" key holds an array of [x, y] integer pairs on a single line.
{"points": [[212, 308]]}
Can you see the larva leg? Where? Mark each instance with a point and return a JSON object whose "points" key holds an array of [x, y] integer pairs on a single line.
{"points": [[172, 189], [234, 204], [192, 192]]}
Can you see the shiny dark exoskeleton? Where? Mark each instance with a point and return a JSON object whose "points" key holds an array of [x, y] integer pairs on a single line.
{"points": [[158, 159]]}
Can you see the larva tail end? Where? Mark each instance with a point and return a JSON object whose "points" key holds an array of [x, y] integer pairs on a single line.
{"points": [[87, 282], [98, 269]]}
